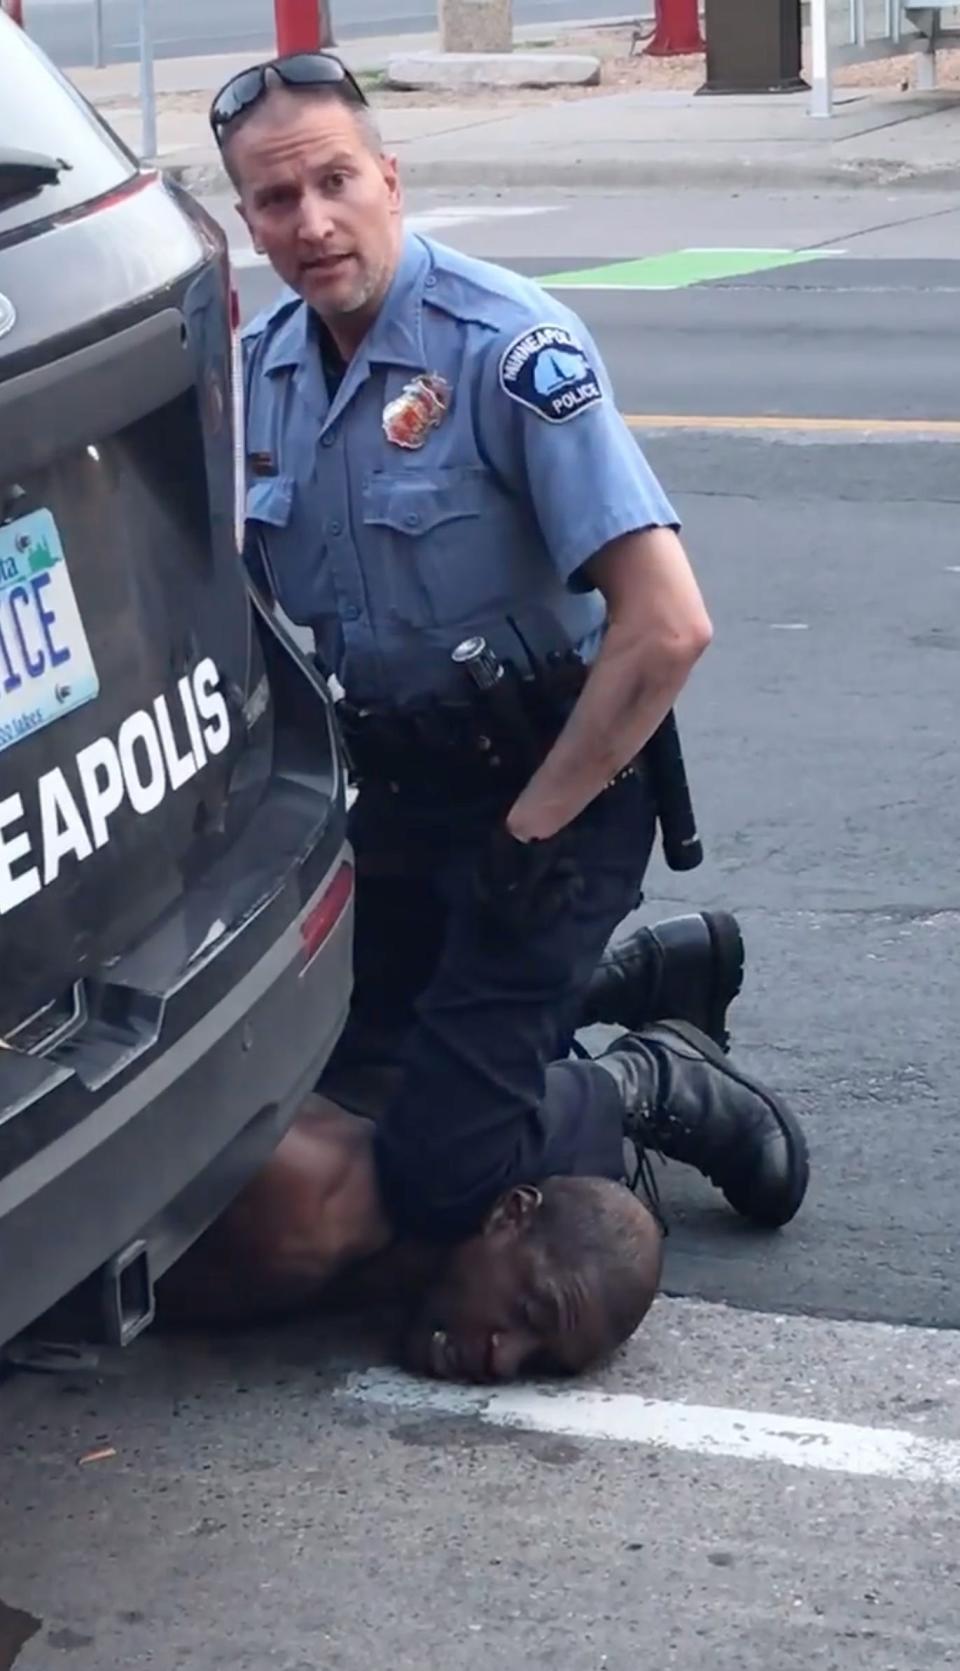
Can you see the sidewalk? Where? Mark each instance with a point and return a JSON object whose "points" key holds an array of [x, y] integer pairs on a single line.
{"points": [[613, 141]]}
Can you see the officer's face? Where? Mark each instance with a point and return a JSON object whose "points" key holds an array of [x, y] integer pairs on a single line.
{"points": [[495, 1313], [320, 202]]}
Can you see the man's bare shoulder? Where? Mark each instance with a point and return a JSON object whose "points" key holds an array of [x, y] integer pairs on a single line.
{"points": [[321, 1117]]}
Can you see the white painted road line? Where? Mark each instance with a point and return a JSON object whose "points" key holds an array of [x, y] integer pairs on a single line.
{"points": [[423, 220], [626, 1419], [426, 220], [777, 249]]}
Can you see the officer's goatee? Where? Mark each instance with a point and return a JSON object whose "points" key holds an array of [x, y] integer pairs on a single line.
{"points": [[369, 287]]}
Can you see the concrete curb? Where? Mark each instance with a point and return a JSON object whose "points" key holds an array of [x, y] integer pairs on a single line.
{"points": [[205, 178], [459, 71]]}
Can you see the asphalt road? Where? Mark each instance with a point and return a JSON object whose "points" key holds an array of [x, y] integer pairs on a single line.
{"points": [[64, 28], [280, 1501]]}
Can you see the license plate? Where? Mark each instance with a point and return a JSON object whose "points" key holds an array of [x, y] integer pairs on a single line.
{"points": [[46, 668]]}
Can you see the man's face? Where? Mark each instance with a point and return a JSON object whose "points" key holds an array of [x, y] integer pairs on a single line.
{"points": [[319, 203], [494, 1313]]}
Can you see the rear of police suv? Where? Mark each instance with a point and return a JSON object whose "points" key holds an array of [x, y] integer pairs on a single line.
{"points": [[175, 887]]}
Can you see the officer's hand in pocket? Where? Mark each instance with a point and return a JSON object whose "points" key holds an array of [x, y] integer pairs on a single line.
{"points": [[526, 883]]}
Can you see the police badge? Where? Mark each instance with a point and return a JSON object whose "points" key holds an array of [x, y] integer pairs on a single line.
{"points": [[422, 405]]}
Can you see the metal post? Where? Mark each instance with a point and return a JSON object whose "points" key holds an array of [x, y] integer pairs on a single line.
{"points": [[926, 80], [148, 95], [98, 57], [821, 98], [927, 24]]}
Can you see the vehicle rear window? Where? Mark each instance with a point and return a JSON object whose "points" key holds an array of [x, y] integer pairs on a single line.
{"points": [[41, 112]]}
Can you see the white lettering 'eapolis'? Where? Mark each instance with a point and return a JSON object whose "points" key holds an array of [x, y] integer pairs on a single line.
{"points": [[141, 766]]}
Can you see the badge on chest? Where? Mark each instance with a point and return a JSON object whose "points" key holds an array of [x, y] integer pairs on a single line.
{"points": [[422, 404]]}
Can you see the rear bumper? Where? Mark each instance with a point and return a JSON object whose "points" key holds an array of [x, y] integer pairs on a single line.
{"points": [[158, 1151]]}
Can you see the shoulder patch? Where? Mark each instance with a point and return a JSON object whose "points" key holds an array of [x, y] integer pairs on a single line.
{"points": [[546, 370]]}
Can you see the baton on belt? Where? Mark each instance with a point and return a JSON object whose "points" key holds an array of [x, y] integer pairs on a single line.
{"points": [[682, 847]]}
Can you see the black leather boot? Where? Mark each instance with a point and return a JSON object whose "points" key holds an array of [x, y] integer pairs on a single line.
{"points": [[689, 967], [684, 1099]]}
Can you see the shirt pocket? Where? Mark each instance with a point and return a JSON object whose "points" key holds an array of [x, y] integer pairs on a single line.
{"points": [[440, 542], [295, 563]]}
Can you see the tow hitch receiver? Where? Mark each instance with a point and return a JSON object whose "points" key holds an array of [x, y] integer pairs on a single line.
{"points": [[128, 1303]]}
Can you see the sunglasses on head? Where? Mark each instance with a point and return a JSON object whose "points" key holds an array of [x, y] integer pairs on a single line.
{"points": [[300, 69]]}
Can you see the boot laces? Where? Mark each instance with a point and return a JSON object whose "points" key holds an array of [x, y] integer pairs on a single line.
{"points": [[645, 1176]]}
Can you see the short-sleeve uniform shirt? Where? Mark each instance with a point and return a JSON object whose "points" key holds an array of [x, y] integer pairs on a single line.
{"points": [[468, 465]]}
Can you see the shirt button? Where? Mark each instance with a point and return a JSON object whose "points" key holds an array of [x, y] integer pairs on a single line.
{"points": [[350, 612], [430, 280], [412, 519], [336, 527], [328, 439]]}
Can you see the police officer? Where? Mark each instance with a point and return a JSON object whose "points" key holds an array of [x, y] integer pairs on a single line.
{"points": [[433, 453]]}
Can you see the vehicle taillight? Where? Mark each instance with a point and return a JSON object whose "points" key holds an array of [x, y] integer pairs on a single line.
{"points": [[236, 392], [319, 923], [138, 182]]}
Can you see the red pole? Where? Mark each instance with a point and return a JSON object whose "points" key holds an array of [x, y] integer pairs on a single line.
{"points": [[677, 29], [15, 9], [298, 26]]}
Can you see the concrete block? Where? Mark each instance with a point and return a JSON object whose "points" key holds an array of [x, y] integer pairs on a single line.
{"points": [[476, 25], [461, 71]]}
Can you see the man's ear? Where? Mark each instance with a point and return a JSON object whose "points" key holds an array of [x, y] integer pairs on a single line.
{"points": [[390, 169], [514, 1210]]}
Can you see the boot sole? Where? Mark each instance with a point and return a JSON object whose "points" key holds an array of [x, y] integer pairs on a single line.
{"points": [[730, 961], [797, 1148]]}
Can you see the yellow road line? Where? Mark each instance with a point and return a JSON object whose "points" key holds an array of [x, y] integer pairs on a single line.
{"points": [[876, 426]]}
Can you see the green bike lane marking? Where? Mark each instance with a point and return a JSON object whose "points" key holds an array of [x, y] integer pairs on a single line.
{"points": [[679, 269]]}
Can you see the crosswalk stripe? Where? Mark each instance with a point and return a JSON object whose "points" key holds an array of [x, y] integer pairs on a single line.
{"points": [[627, 1419]]}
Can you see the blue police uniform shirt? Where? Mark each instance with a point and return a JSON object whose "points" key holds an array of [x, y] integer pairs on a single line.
{"points": [[394, 555]]}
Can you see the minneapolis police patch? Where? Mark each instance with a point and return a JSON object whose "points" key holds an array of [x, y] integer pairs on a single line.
{"points": [[547, 370]]}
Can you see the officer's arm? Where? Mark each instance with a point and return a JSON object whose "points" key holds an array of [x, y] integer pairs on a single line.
{"points": [[606, 523], [657, 629]]}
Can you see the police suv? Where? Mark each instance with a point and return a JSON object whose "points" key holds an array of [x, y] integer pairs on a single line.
{"points": [[176, 891]]}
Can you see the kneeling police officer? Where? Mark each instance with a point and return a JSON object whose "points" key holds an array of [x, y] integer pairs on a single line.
{"points": [[440, 487]]}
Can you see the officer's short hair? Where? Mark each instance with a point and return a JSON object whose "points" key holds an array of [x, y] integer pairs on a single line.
{"points": [[595, 1234], [332, 92]]}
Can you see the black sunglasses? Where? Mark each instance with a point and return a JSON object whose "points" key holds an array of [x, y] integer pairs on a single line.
{"points": [[300, 69]]}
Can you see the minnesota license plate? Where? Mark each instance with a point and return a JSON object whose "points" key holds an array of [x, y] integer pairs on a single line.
{"points": [[46, 668]]}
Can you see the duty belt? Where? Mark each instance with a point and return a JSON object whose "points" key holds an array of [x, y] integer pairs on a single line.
{"points": [[439, 749], [492, 745]]}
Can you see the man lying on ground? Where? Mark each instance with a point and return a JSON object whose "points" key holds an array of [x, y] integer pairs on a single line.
{"points": [[516, 1246], [555, 1278]]}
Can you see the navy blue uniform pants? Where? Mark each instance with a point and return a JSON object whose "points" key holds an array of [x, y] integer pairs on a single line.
{"points": [[479, 1011]]}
